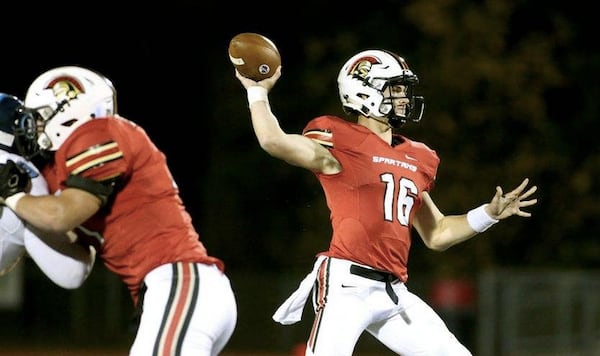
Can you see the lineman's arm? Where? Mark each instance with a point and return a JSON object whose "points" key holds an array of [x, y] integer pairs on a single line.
{"points": [[57, 214]]}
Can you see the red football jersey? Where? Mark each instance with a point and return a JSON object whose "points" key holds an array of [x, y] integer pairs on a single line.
{"points": [[374, 198], [144, 224]]}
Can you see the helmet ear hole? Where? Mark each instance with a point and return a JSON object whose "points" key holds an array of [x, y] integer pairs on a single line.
{"points": [[385, 108], [69, 123]]}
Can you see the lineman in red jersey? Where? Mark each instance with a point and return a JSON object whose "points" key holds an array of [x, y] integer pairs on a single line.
{"points": [[377, 186], [110, 182]]}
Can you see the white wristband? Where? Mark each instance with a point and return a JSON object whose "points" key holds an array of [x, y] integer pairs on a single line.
{"points": [[257, 93], [11, 201], [479, 220]]}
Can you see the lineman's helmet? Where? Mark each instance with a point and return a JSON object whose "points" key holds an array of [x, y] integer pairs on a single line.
{"points": [[67, 97]]}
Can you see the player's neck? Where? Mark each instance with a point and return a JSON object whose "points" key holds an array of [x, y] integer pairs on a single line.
{"points": [[380, 128]]}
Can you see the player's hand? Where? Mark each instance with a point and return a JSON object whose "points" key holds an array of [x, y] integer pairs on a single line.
{"points": [[509, 204], [13, 179], [267, 83]]}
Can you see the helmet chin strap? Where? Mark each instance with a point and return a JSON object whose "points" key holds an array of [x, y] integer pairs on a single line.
{"points": [[398, 121]]}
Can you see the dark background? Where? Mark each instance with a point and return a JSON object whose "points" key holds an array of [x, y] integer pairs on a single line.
{"points": [[511, 91]]}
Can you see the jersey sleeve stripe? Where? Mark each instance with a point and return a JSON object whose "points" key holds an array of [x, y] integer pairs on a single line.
{"points": [[98, 161], [91, 151], [324, 138]]}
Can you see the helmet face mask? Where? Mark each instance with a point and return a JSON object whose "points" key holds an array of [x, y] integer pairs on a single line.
{"points": [[26, 128], [367, 85], [18, 129], [66, 98]]}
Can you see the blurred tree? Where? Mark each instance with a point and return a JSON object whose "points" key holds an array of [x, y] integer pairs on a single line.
{"points": [[509, 104], [487, 117]]}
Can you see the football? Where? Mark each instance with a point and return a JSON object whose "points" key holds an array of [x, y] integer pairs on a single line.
{"points": [[254, 55]]}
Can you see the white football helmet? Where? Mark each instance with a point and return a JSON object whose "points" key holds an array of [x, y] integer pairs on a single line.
{"points": [[67, 97], [362, 82]]}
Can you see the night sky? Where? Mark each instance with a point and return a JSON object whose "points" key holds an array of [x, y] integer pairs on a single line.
{"points": [[163, 61]]}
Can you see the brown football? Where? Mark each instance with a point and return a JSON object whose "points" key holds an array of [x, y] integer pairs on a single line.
{"points": [[254, 55]]}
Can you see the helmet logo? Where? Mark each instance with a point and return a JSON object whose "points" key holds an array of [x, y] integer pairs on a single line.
{"points": [[65, 88], [362, 66]]}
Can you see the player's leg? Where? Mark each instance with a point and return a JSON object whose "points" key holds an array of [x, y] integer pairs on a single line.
{"points": [[214, 320], [416, 330], [341, 310], [188, 309], [158, 287], [337, 327]]}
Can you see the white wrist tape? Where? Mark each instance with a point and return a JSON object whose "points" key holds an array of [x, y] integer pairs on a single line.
{"points": [[257, 93], [479, 220], [11, 201]]}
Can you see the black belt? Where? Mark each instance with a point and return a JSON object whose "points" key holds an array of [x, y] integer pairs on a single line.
{"points": [[376, 275]]}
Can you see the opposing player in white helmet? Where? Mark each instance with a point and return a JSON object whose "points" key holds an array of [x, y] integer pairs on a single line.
{"points": [[109, 181], [67, 263], [377, 183]]}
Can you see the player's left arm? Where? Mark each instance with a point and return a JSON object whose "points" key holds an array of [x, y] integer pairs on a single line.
{"points": [[439, 232]]}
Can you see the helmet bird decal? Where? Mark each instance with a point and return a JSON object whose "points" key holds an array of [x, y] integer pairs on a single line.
{"points": [[362, 66], [66, 98], [65, 88]]}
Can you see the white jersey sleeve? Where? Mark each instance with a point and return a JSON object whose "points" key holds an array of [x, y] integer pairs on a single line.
{"points": [[12, 231], [64, 263]]}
